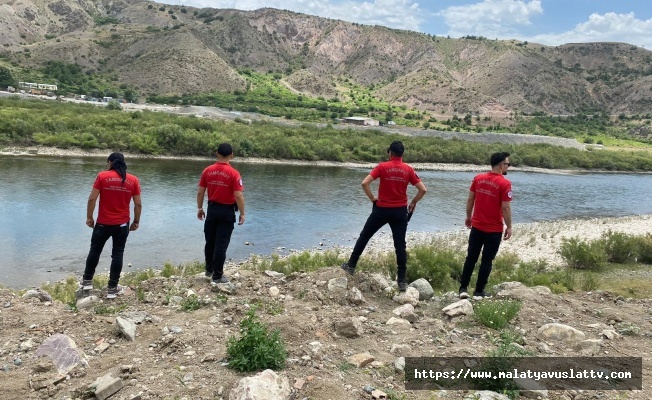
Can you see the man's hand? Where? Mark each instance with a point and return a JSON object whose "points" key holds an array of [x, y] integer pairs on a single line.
{"points": [[90, 222], [134, 226], [241, 220], [508, 233], [201, 214], [467, 223], [411, 207]]}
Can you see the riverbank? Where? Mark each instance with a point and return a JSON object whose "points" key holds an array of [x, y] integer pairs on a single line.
{"points": [[77, 152]]}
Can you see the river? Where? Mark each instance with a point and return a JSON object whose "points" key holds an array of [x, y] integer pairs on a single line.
{"points": [[43, 235]]}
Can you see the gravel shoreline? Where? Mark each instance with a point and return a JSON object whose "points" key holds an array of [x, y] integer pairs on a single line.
{"points": [[75, 152]]}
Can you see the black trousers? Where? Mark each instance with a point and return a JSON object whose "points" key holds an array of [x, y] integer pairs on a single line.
{"points": [[218, 227], [397, 219], [488, 243], [102, 233]]}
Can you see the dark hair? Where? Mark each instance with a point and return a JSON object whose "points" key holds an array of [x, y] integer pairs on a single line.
{"points": [[396, 147], [117, 161], [497, 158], [224, 149]]}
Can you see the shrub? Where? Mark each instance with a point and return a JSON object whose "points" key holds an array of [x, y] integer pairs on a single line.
{"points": [[257, 348], [113, 105], [190, 303], [620, 247], [644, 248], [496, 314], [582, 255], [438, 263], [500, 359]]}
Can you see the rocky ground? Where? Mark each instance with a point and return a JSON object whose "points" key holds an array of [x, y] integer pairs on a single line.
{"points": [[345, 337]]}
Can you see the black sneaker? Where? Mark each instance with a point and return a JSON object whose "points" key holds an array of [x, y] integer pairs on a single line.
{"points": [[464, 294], [223, 279], [208, 274], [480, 295], [348, 269], [87, 284], [402, 286], [114, 292]]}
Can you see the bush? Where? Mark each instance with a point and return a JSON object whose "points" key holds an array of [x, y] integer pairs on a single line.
{"points": [[439, 264], [644, 248], [496, 314], [113, 105], [620, 247], [582, 255], [257, 348]]}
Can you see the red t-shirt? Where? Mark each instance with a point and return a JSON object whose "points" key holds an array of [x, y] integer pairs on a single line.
{"points": [[221, 180], [115, 197], [490, 189], [394, 177]]}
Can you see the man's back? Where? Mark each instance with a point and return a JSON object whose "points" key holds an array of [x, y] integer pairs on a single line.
{"points": [[395, 175], [490, 189]]}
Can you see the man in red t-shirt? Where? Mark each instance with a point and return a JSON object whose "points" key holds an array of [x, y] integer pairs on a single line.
{"points": [[390, 207], [115, 188], [225, 196], [488, 211]]}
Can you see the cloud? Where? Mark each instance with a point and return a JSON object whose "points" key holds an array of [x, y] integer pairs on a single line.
{"points": [[399, 14], [610, 27], [490, 18]]}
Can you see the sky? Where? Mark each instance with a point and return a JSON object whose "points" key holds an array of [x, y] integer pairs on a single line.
{"points": [[549, 22]]}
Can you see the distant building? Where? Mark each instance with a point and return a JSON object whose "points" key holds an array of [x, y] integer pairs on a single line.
{"points": [[40, 86], [361, 121]]}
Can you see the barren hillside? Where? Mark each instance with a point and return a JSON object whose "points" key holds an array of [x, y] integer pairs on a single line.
{"points": [[168, 49]]}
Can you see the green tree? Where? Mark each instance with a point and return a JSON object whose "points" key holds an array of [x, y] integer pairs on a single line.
{"points": [[6, 78]]}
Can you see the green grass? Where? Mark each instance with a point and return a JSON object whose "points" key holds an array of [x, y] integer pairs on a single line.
{"points": [[496, 314]]}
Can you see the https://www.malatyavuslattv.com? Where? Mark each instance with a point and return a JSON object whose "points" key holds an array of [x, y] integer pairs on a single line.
{"points": [[561, 373]]}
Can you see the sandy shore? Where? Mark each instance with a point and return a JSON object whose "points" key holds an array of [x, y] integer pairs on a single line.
{"points": [[531, 241]]}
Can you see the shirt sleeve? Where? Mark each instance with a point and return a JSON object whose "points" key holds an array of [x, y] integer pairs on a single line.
{"points": [[136, 187], [97, 184], [375, 173], [472, 188], [414, 178], [202, 180], [237, 184], [507, 192]]}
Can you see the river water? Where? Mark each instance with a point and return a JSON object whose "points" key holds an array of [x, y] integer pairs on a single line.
{"points": [[43, 235]]}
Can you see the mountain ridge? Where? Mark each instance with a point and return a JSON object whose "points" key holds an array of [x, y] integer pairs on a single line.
{"points": [[164, 49]]}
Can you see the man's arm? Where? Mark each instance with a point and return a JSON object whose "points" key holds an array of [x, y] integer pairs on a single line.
{"points": [[239, 200], [138, 207], [90, 207], [200, 202], [470, 201], [366, 183], [421, 192], [507, 216]]}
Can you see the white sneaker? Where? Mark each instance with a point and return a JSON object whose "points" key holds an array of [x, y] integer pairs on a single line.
{"points": [[112, 293]]}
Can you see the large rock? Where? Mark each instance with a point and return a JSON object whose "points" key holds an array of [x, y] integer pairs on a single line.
{"points": [[350, 327], [126, 327], [462, 307], [486, 395], [266, 385], [106, 386], [40, 294], [410, 296], [425, 289], [518, 291], [63, 351], [561, 333], [338, 285], [406, 311]]}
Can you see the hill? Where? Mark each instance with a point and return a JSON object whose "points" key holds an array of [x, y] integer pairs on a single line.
{"points": [[167, 50]]}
